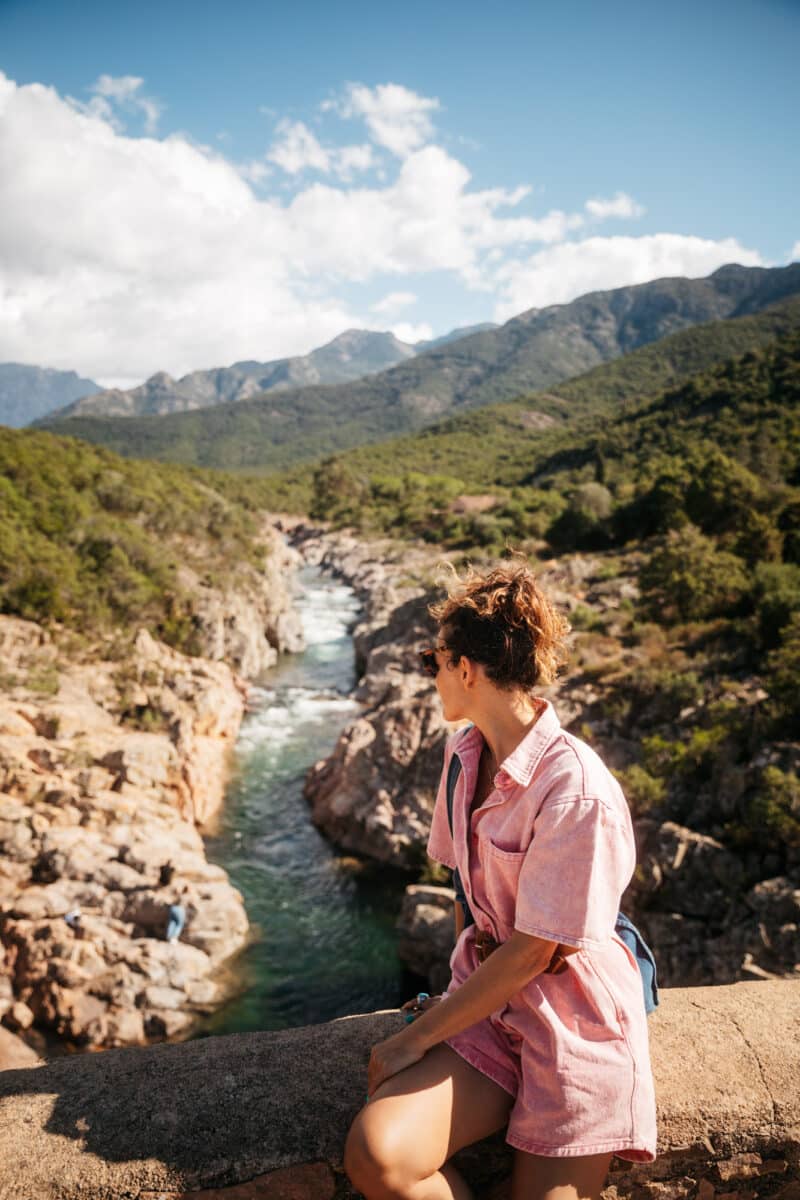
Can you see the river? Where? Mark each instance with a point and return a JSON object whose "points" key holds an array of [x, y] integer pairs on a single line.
{"points": [[324, 943]]}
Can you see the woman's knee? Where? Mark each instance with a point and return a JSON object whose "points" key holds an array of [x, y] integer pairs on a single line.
{"points": [[374, 1158]]}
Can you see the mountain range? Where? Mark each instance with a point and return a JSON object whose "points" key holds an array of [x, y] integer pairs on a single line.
{"points": [[534, 351], [518, 443], [30, 392], [352, 355]]}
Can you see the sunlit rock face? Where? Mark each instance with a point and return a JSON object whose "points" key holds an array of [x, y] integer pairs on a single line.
{"points": [[109, 770], [92, 811]]}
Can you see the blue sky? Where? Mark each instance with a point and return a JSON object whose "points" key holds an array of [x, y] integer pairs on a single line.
{"points": [[415, 169]]}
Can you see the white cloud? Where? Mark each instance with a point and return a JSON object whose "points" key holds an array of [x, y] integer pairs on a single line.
{"points": [[348, 159], [426, 220], [110, 94], [297, 149], [560, 273], [120, 87], [795, 252], [404, 332], [621, 205], [394, 302], [122, 255], [396, 117], [256, 171]]}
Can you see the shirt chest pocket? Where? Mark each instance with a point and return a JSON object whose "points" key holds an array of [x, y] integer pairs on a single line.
{"points": [[501, 873]]}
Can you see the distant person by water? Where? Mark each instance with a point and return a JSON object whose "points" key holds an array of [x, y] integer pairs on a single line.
{"points": [[542, 1029], [176, 916], [176, 920]]}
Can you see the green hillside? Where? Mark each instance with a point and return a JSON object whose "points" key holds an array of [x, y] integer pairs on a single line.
{"points": [[92, 541], [537, 350], [598, 483], [695, 490], [496, 449]]}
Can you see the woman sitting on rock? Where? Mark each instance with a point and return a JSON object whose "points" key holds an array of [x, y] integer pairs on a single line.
{"points": [[542, 1028]]}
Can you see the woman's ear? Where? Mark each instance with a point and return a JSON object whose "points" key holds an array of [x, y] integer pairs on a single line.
{"points": [[468, 671]]}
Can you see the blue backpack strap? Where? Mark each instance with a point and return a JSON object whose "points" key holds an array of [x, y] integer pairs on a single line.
{"points": [[630, 935], [453, 772]]}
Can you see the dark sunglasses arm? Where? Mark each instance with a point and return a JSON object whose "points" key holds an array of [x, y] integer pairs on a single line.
{"points": [[429, 663]]}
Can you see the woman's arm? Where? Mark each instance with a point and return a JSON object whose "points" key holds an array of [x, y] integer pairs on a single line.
{"points": [[490, 987]]}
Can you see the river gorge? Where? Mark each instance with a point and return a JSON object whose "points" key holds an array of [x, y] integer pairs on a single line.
{"points": [[324, 941]]}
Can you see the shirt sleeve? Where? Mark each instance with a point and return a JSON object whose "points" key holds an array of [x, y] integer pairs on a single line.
{"points": [[440, 842], [579, 863]]}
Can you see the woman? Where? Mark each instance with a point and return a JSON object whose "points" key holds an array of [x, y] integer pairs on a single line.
{"points": [[542, 1027]]}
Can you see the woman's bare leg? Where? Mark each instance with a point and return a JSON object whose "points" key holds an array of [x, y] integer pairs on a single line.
{"points": [[399, 1143], [539, 1178]]}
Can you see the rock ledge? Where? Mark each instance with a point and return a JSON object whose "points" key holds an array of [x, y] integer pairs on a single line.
{"points": [[226, 1113]]}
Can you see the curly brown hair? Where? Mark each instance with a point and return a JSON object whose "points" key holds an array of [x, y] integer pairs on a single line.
{"points": [[502, 620]]}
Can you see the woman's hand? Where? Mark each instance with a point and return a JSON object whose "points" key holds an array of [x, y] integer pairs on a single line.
{"points": [[394, 1054]]}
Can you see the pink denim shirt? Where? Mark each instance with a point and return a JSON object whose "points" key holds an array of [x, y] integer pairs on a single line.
{"points": [[549, 853]]}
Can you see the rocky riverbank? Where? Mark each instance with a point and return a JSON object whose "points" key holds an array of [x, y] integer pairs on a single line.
{"points": [[109, 770], [715, 911]]}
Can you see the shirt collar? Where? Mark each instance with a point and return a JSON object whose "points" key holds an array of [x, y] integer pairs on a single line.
{"points": [[523, 760]]}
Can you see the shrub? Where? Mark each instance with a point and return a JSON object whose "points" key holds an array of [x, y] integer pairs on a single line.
{"points": [[702, 750], [91, 540], [658, 510], [756, 539], [721, 493], [44, 681], [782, 678], [662, 758], [338, 491], [687, 578], [586, 619], [584, 523], [773, 812], [642, 790], [660, 693], [776, 598], [789, 525]]}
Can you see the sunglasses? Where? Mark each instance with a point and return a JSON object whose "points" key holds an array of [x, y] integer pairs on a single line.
{"points": [[430, 664]]}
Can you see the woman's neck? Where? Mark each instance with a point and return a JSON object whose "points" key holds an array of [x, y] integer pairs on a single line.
{"points": [[504, 720]]}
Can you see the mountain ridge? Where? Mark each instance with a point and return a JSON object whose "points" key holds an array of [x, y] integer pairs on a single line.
{"points": [[28, 392], [352, 354], [533, 351]]}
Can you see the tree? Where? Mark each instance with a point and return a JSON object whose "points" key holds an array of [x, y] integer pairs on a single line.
{"points": [[687, 578], [584, 523], [337, 491]]}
